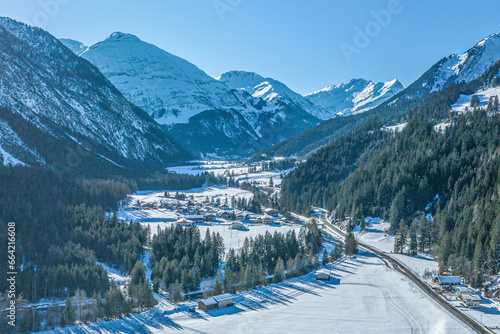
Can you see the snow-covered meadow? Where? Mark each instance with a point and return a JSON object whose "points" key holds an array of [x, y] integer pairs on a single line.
{"points": [[376, 236], [483, 95], [363, 296], [237, 170]]}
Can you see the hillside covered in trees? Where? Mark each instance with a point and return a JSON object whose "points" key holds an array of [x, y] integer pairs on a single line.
{"points": [[62, 234], [450, 174]]}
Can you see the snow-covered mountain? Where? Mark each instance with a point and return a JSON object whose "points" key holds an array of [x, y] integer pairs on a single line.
{"points": [[456, 68], [169, 88], [355, 97], [75, 46], [206, 115], [58, 109], [271, 91]]}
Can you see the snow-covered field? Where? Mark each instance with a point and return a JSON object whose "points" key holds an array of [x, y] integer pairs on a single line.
{"points": [[234, 238], [396, 128], [225, 168], [219, 168], [363, 296], [148, 215], [375, 235], [484, 96], [199, 194]]}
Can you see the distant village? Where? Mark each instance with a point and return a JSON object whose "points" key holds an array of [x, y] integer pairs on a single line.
{"points": [[190, 211]]}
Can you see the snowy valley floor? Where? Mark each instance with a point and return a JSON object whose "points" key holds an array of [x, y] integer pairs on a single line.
{"points": [[489, 312], [363, 296]]}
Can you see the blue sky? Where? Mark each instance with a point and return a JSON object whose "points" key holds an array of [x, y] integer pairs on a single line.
{"points": [[305, 44]]}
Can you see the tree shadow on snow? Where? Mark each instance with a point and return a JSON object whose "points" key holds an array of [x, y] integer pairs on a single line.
{"points": [[224, 311], [138, 323]]}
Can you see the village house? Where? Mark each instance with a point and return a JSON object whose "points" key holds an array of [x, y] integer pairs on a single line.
{"points": [[447, 282], [207, 304], [224, 300], [266, 219], [182, 209], [463, 290], [242, 216], [195, 218], [255, 220], [184, 222], [271, 212], [210, 217], [470, 301], [224, 214]]}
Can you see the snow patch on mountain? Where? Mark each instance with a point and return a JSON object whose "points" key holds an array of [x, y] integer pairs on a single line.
{"points": [[469, 65], [77, 47], [270, 90], [463, 103], [169, 88], [355, 97], [43, 84]]}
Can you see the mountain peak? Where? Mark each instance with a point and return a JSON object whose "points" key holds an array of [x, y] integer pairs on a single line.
{"points": [[120, 36], [356, 96], [77, 47]]}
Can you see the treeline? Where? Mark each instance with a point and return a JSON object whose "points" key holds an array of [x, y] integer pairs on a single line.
{"points": [[281, 255], [50, 221], [279, 164], [62, 228], [164, 181], [181, 258], [84, 308], [317, 180], [452, 175]]}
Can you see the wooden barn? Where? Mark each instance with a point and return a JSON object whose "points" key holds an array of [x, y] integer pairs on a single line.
{"points": [[224, 300], [207, 304], [323, 274], [215, 302]]}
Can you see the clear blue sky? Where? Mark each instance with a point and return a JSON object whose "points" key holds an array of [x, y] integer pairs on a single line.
{"points": [[296, 42]]}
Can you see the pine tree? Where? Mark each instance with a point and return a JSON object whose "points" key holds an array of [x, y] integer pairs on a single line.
{"points": [[350, 244], [325, 258], [175, 292], [279, 271], [68, 314], [218, 285], [413, 243], [228, 280]]}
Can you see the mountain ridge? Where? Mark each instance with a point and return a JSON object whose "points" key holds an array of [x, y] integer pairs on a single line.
{"points": [[70, 106]]}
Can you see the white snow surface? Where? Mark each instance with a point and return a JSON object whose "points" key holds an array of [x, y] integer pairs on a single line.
{"points": [[484, 95], [469, 65], [270, 90], [355, 97], [396, 128], [77, 47], [227, 168], [169, 88], [362, 296]]}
